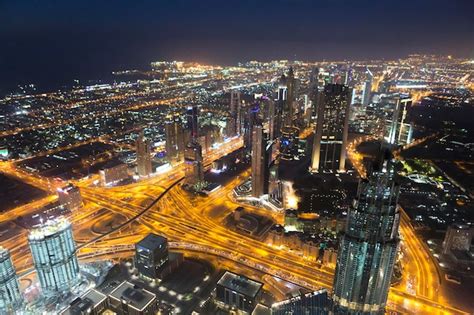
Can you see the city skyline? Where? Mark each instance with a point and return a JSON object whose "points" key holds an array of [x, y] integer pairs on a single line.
{"points": [[87, 40], [236, 157]]}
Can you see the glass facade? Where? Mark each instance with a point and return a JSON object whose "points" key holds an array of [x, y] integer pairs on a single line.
{"points": [[314, 303], [54, 254], [10, 296], [330, 136], [369, 245]]}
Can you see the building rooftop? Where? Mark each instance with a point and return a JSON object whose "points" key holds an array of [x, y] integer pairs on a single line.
{"points": [[49, 228], [240, 284], [90, 300], [134, 296], [153, 241]]}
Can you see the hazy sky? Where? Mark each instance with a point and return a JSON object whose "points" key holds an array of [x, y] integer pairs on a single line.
{"points": [[53, 41]]}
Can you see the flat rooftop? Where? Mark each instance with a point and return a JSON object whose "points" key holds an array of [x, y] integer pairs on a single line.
{"points": [[240, 284], [89, 301], [153, 241], [136, 297]]}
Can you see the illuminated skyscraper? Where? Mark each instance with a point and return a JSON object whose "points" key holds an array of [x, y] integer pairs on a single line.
{"points": [[235, 110], [289, 110], [369, 245], [399, 132], [258, 161], [54, 255], [289, 143], [10, 296], [143, 155], [367, 90], [250, 119], [192, 121], [174, 139], [194, 171], [330, 137]]}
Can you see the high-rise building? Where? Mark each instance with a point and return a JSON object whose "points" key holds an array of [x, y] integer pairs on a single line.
{"points": [[313, 303], [258, 161], [10, 296], [369, 244], [151, 254], [142, 145], [289, 112], [235, 110], [70, 197], [192, 122], [367, 89], [250, 119], [174, 139], [289, 143], [330, 137], [54, 255], [366, 92], [399, 131], [194, 170]]}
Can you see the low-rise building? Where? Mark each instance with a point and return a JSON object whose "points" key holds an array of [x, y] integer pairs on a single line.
{"points": [[129, 299], [237, 293]]}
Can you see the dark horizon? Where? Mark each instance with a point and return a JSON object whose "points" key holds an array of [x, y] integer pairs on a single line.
{"points": [[52, 43]]}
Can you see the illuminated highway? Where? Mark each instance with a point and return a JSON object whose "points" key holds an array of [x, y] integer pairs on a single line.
{"points": [[160, 205]]}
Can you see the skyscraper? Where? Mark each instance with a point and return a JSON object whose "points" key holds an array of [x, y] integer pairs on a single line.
{"points": [[235, 110], [54, 255], [258, 161], [289, 111], [194, 171], [192, 121], [367, 89], [174, 139], [143, 155], [330, 137], [10, 296], [399, 131], [369, 244], [250, 119]]}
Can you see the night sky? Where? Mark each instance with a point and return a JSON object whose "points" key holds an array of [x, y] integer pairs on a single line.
{"points": [[50, 42]]}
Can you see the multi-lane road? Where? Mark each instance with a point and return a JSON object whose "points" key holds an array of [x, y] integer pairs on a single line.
{"points": [[160, 205]]}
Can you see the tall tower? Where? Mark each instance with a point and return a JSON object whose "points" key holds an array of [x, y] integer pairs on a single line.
{"points": [[399, 131], [258, 161], [54, 255], [192, 121], [10, 296], [330, 137], [143, 155], [369, 244], [250, 120], [291, 98], [314, 88], [174, 139], [235, 110], [194, 172], [367, 90]]}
